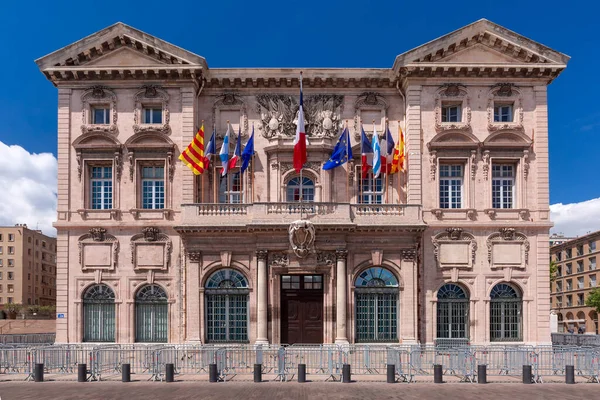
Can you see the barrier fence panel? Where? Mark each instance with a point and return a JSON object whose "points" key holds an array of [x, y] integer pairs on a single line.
{"points": [[323, 360], [15, 360], [143, 361]]}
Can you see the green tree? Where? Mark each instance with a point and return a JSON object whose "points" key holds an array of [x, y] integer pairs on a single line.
{"points": [[553, 271], [593, 299]]}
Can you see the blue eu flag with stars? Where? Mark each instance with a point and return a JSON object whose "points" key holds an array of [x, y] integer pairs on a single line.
{"points": [[342, 152]]}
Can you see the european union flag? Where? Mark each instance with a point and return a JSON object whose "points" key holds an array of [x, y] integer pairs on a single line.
{"points": [[342, 152]]}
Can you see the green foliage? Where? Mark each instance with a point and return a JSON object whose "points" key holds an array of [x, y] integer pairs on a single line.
{"points": [[34, 309], [553, 270], [593, 299], [13, 307]]}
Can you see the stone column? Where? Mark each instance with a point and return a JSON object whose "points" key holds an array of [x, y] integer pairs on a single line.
{"points": [[194, 262], [262, 298], [341, 300]]}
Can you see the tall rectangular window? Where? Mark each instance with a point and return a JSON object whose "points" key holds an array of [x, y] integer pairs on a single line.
{"points": [[558, 286], [580, 284], [230, 188], [101, 115], [451, 185], [503, 112], [371, 189], [153, 187], [580, 299], [569, 253], [569, 301], [101, 188], [569, 284], [592, 281], [592, 263], [11, 250], [152, 115], [580, 266], [579, 249], [11, 237], [592, 246], [503, 185]]}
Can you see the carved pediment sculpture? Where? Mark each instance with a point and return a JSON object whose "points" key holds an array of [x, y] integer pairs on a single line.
{"points": [[98, 250], [279, 260], [508, 248], [277, 113], [323, 115], [151, 250], [302, 237], [454, 248]]}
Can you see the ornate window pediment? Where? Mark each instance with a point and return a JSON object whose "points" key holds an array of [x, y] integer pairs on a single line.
{"points": [[369, 107], [455, 94], [151, 96], [454, 248], [96, 96], [507, 140], [508, 248], [98, 250], [230, 107], [98, 144], [505, 93], [151, 250], [150, 142], [453, 139]]}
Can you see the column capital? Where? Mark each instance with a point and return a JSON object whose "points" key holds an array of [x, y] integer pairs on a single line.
{"points": [[262, 255], [341, 254], [194, 256]]}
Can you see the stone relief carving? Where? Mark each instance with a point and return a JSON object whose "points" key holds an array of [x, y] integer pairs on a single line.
{"points": [[409, 255], [525, 164], [155, 96], [230, 102], [454, 235], [302, 237], [98, 95], [98, 235], [432, 164], [262, 255], [473, 164], [194, 256], [326, 257], [151, 235], [288, 166], [486, 164], [278, 114], [505, 93], [455, 93], [508, 235], [279, 260], [368, 100]]}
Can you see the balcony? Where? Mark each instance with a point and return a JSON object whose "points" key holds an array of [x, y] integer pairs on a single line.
{"points": [[261, 214]]}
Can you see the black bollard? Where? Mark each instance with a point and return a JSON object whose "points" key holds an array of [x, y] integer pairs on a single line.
{"points": [[482, 373], [346, 376], [38, 373], [125, 372], [391, 373], [570, 374], [170, 372], [438, 373], [527, 374], [213, 374], [301, 373], [81, 372], [257, 372]]}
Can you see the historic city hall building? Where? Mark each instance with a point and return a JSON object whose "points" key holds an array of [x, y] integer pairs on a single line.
{"points": [[455, 246]]}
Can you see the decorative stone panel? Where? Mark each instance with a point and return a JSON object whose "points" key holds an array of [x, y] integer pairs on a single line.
{"points": [[508, 248], [229, 106], [151, 250], [150, 95], [370, 104], [454, 248], [455, 93], [98, 250], [98, 95]]}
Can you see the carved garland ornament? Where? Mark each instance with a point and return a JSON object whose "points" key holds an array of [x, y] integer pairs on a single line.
{"points": [[368, 101], [151, 95], [508, 235], [98, 236], [230, 102], [150, 235], [453, 92], [98, 95], [454, 235], [302, 237], [505, 92], [279, 260], [326, 257]]}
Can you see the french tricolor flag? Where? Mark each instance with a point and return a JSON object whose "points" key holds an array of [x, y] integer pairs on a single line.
{"points": [[224, 153], [300, 139], [237, 152]]}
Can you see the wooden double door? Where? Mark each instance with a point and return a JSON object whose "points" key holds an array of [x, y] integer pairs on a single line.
{"points": [[301, 309]]}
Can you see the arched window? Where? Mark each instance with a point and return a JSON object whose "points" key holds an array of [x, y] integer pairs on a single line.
{"points": [[376, 291], [151, 314], [99, 314], [293, 190], [506, 307], [226, 307], [452, 312]]}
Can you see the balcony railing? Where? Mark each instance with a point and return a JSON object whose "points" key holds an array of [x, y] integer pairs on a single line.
{"points": [[211, 214]]}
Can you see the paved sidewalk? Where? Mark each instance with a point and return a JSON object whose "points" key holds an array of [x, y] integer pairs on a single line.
{"points": [[289, 390]]}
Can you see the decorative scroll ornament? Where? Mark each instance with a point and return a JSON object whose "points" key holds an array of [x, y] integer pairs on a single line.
{"points": [[326, 257], [98, 95], [156, 96], [277, 113], [97, 236], [473, 164], [432, 164], [505, 93], [323, 113], [525, 164], [302, 237], [151, 234], [279, 260]]}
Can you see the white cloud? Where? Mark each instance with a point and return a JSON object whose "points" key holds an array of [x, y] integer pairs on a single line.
{"points": [[576, 219], [27, 188]]}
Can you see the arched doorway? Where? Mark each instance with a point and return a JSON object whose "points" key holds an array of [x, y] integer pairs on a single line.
{"points": [[452, 312], [151, 314], [506, 319], [99, 314]]}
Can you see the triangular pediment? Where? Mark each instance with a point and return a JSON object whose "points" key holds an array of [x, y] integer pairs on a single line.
{"points": [[479, 54], [125, 57]]}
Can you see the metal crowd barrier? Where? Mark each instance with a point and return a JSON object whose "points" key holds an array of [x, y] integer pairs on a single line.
{"points": [[30, 338], [281, 362]]}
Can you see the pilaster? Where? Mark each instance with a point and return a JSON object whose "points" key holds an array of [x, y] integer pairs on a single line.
{"points": [[413, 145], [193, 322], [341, 298]]}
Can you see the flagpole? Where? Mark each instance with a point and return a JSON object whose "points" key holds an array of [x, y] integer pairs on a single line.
{"points": [[387, 194], [373, 184], [398, 171], [202, 178], [347, 163]]}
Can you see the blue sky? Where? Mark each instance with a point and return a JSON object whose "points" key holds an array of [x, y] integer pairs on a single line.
{"points": [[310, 34]]}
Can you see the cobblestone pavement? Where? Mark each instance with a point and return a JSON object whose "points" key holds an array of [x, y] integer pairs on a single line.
{"points": [[289, 390]]}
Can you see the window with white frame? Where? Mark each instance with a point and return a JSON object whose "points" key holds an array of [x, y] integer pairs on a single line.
{"points": [[503, 185], [451, 112], [230, 187], [152, 115], [101, 186], [101, 115], [153, 187], [371, 189], [451, 185], [293, 190], [503, 112]]}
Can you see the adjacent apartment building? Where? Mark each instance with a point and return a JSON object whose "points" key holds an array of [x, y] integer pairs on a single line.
{"points": [[576, 276], [27, 266], [453, 247]]}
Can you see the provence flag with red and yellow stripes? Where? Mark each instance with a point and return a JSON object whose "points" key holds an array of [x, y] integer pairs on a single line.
{"points": [[398, 157], [193, 155]]}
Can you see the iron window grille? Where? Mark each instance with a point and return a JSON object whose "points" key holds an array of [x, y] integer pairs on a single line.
{"points": [[151, 314], [98, 314], [506, 307], [452, 312], [227, 307]]}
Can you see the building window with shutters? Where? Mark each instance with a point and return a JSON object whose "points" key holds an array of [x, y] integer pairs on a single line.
{"points": [[376, 301], [98, 314], [151, 315], [226, 293]]}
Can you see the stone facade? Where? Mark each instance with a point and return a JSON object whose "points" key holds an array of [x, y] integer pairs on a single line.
{"points": [[199, 229]]}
